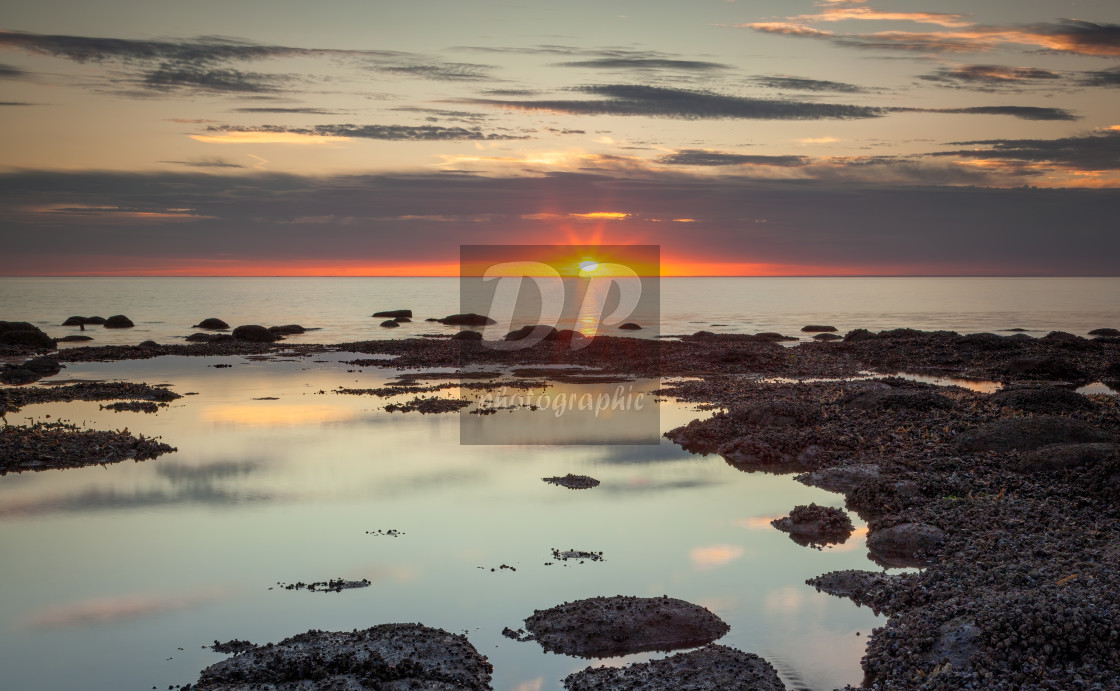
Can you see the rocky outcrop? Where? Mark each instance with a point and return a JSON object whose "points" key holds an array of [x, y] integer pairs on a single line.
{"points": [[711, 668], [118, 321], [255, 333]]}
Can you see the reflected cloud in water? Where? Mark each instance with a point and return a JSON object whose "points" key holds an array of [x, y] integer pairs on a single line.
{"points": [[120, 607], [279, 415], [714, 556]]}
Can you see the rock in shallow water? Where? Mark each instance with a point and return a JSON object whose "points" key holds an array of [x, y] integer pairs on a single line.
{"points": [[390, 657], [620, 625], [905, 544], [712, 668]]}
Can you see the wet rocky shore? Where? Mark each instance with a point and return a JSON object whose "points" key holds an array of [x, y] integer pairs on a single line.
{"points": [[1006, 502]]}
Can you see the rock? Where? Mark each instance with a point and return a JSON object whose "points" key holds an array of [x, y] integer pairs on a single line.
{"points": [[897, 399], [287, 329], [74, 321], [620, 625], [573, 481], [394, 314], [95, 320], [200, 338], [467, 336], [43, 366], [538, 332], [1045, 367], [255, 333], [468, 319], [1112, 333], [74, 338], [816, 525], [148, 344], [711, 668], [211, 323], [905, 544], [779, 413], [827, 337], [843, 479], [772, 337], [118, 321], [402, 320], [815, 328], [18, 376], [1042, 399], [1069, 456], [24, 334], [851, 583], [1025, 434], [389, 324], [630, 326], [858, 335], [390, 657]]}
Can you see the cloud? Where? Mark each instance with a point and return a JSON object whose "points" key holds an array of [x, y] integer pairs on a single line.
{"points": [[1101, 78], [653, 101], [713, 556], [647, 64], [303, 111], [802, 84], [440, 71], [207, 163], [11, 72], [700, 157], [169, 76], [1098, 151], [840, 14], [121, 607], [17, 103], [399, 133], [1065, 36], [1021, 112], [991, 76]]}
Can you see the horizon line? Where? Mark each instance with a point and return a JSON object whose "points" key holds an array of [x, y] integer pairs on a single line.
{"points": [[640, 275]]}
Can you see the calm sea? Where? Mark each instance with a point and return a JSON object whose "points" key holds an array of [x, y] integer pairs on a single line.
{"points": [[164, 309], [116, 577]]}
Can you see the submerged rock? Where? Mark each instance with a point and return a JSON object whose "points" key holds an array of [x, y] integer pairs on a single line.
{"points": [[390, 324], [1111, 333], [467, 336], [818, 328], [287, 329], [394, 314], [843, 479], [816, 525], [74, 338], [620, 625], [828, 337], [711, 668], [390, 657]]}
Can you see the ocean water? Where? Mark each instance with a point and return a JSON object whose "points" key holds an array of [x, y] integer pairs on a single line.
{"points": [[164, 309], [115, 577]]}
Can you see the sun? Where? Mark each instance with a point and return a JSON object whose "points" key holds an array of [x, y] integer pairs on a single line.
{"points": [[588, 266]]}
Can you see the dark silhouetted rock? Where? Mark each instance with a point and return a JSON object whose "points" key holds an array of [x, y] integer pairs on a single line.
{"points": [[772, 337], [467, 336], [816, 525], [74, 321], [74, 338], [630, 326], [391, 657], [43, 366], [468, 319], [18, 376], [95, 320], [828, 337], [287, 329], [777, 413], [1042, 399], [211, 323], [1069, 456], [148, 344], [390, 324], [402, 320], [538, 332], [1112, 333], [573, 481], [620, 625], [852, 583], [905, 544], [1046, 368], [255, 333], [816, 328], [1029, 433], [711, 668], [24, 334], [394, 314], [118, 321]]}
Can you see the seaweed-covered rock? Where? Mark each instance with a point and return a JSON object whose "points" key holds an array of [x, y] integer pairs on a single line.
{"points": [[573, 481], [620, 625], [905, 544], [390, 657], [211, 323], [1069, 456], [537, 332], [467, 336], [287, 329], [1025, 434], [843, 479], [711, 668], [255, 333], [777, 413], [858, 335], [816, 525], [897, 399], [1044, 368], [118, 321], [828, 337], [1042, 399]]}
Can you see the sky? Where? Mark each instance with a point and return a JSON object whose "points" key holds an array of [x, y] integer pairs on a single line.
{"points": [[744, 137]]}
